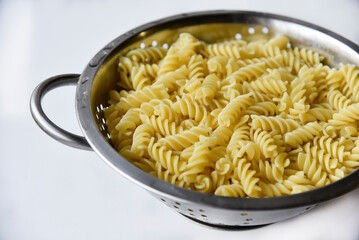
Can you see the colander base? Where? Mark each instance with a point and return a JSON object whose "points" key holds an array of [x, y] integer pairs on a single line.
{"points": [[224, 227]]}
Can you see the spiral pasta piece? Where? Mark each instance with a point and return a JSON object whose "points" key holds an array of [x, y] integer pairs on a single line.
{"points": [[124, 69], [323, 158], [271, 62], [262, 108], [218, 65], [188, 106], [185, 139], [129, 121], [231, 112], [113, 117], [230, 190], [223, 49], [334, 79], [271, 86], [297, 90], [274, 123], [258, 96], [221, 135], [172, 80], [346, 116], [239, 134], [302, 134], [217, 152], [141, 138], [209, 87], [316, 114], [309, 56], [135, 99], [247, 177], [150, 70], [270, 171], [331, 147], [214, 103], [165, 157], [248, 72], [274, 190], [169, 63], [197, 162], [167, 176], [150, 54], [160, 125], [351, 76], [138, 78], [306, 76], [165, 111], [187, 45], [224, 166], [265, 142], [203, 183], [315, 173], [337, 100], [196, 67], [295, 183]]}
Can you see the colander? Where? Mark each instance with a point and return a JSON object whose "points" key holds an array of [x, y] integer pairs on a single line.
{"points": [[100, 75]]}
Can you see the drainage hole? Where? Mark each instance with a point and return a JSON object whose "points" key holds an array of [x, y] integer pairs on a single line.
{"points": [[265, 30]]}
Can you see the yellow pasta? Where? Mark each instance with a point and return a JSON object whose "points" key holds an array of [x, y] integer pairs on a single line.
{"points": [[236, 118]]}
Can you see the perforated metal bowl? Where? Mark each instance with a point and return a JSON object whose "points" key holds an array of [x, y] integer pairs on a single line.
{"points": [[99, 77]]}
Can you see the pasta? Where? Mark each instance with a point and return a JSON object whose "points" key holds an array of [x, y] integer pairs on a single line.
{"points": [[236, 118]]}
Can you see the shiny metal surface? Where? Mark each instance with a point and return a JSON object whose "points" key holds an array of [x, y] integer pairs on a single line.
{"points": [[44, 122], [100, 76]]}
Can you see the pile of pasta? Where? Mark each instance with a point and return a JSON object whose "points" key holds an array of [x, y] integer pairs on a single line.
{"points": [[236, 118]]}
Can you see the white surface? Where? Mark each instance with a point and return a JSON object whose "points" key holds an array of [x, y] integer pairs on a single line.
{"points": [[51, 191]]}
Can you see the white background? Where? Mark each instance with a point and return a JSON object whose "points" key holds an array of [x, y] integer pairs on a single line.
{"points": [[51, 191]]}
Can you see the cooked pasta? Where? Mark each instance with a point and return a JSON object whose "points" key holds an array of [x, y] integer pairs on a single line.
{"points": [[236, 118]]}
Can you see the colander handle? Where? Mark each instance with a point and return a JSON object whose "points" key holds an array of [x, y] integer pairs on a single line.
{"points": [[44, 122]]}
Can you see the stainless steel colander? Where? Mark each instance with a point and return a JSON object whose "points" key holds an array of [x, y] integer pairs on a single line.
{"points": [[100, 75]]}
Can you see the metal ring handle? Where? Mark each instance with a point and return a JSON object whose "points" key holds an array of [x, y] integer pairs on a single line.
{"points": [[44, 122]]}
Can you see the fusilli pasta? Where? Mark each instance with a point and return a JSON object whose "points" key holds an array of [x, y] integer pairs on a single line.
{"points": [[236, 118]]}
